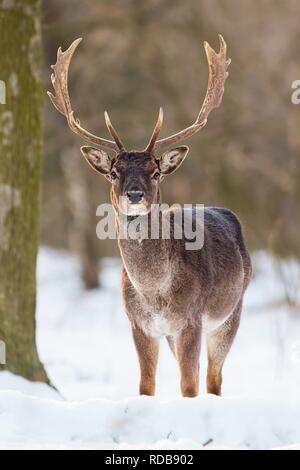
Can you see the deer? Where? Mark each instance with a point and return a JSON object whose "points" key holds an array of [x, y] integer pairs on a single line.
{"points": [[169, 291]]}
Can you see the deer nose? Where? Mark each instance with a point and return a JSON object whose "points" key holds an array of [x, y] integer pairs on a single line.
{"points": [[135, 196]]}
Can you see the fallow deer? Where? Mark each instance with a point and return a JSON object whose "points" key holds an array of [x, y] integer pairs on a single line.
{"points": [[168, 290]]}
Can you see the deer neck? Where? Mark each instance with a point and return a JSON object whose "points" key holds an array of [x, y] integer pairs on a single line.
{"points": [[146, 260]]}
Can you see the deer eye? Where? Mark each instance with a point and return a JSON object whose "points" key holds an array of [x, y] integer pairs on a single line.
{"points": [[113, 175], [156, 175]]}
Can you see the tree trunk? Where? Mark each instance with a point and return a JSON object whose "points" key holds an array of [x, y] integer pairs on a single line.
{"points": [[20, 159], [80, 237]]}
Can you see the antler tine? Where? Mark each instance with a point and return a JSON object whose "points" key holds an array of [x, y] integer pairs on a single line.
{"points": [[61, 99], [113, 132], [218, 65], [156, 131]]}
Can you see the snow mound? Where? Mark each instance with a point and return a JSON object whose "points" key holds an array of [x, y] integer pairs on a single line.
{"points": [[35, 422]]}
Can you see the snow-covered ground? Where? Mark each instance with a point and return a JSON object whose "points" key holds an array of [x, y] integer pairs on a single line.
{"points": [[85, 342]]}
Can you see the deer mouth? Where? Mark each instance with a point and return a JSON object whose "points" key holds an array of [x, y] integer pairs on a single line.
{"points": [[136, 209], [132, 207]]}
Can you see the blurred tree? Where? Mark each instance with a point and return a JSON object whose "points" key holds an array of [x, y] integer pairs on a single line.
{"points": [[20, 156], [81, 237]]}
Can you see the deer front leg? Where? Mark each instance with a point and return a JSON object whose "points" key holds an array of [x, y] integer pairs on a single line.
{"points": [[147, 350], [187, 348]]}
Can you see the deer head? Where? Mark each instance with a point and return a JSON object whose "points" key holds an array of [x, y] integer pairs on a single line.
{"points": [[135, 176]]}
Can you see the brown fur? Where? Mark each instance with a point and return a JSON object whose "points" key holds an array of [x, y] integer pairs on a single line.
{"points": [[170, 291], [167, 290]]}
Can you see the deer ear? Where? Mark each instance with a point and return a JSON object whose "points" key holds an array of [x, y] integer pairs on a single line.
{"points": [[172, 159], [97, 159]]}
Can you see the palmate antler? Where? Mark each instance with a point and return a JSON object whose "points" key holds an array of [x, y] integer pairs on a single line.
{"points": [[62, 103], [217, 64]]}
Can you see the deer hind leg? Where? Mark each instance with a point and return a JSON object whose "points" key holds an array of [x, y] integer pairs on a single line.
{"points": [[187, 349], [219, 343], [147, 350]]}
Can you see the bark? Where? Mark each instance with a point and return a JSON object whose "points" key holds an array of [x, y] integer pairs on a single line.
{"points": [[21, 135]]}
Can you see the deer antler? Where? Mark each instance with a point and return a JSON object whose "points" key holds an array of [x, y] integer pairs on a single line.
{"points": [[218, 64], [113, 132], [155, 132], [61, 100]]}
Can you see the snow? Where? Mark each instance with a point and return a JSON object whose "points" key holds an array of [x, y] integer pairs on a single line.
{"points": [[33, 422], [85, 342]]}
